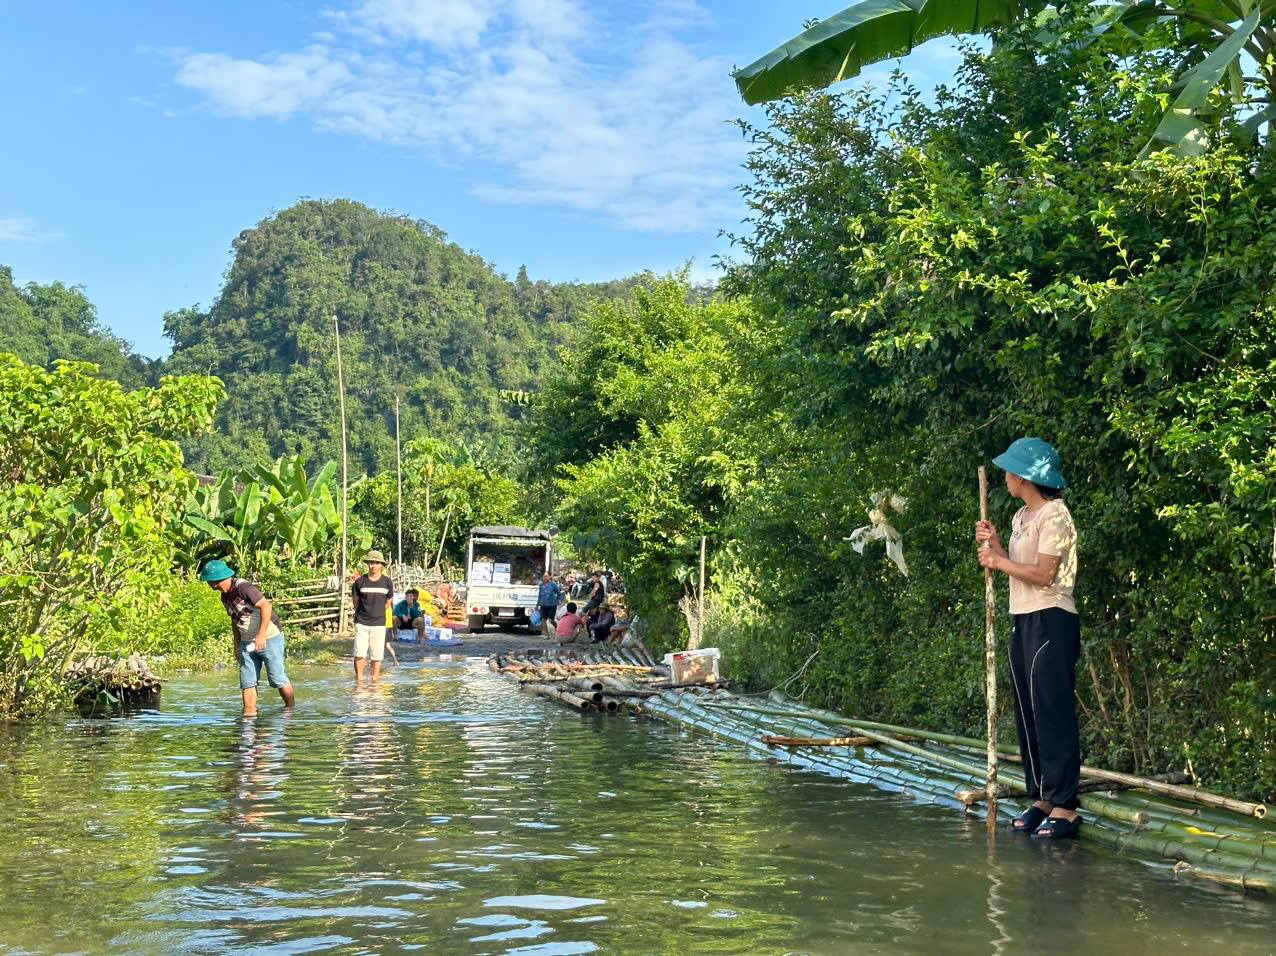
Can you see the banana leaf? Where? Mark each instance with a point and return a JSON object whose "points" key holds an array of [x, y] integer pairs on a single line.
{"points": [[868, 32], [1181, 128], [210, 530]]}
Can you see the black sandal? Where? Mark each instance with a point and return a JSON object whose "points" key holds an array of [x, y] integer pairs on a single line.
{"points": [[1029, 820], [1056, 828]]}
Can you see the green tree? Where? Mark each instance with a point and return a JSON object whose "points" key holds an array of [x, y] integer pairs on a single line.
{"points": [[44, 323], [633, 430], [1211, 38], [447, 489], [942, 281], [93, 481]]}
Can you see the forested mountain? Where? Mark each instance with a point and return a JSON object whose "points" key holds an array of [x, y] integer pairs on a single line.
{"points": [[420, 318], [44, 323]]}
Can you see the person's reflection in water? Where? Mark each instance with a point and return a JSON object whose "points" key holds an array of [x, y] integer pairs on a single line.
{"points": [[372, 753], [260, 770]]}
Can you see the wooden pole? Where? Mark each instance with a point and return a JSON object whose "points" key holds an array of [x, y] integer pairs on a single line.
{"points": [[345, 478], [447, 521], [700, 609], [398, 467], [990, 665]]}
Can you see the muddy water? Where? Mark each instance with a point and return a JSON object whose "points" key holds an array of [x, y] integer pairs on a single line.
{"points": [[442, 811]]}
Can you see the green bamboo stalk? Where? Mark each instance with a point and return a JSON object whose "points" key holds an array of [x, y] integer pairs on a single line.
{"points": [[1203, 861], [694, 715], [1228, 877], [1239, 807]]}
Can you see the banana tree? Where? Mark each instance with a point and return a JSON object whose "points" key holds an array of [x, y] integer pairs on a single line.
{"points": [[1218, 40], [273, 508]]}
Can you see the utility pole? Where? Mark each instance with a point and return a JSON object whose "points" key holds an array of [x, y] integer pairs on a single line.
{"points": [[398, 464], [345, 480]]}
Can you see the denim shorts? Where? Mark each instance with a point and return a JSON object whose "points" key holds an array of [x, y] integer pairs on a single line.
{"points": [[251, 662]]}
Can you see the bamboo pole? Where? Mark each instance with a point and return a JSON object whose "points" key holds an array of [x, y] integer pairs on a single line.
{"points": [[310, 599], [334, 613], [701, 715], [772, 740], [698, 637], [1190, 794], [345, 478], [990, 665]]}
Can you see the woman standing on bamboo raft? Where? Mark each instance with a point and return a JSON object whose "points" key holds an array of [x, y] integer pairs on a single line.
{"points": [[1046, 643]]}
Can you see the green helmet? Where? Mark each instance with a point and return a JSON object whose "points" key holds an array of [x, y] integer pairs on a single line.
{"points": [[216, 571]]}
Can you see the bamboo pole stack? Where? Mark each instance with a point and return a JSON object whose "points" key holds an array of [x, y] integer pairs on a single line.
{"points": [[101, 685], [607, 680]]}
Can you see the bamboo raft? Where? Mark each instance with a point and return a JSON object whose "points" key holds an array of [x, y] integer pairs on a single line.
{"points": [[1202, 835]]}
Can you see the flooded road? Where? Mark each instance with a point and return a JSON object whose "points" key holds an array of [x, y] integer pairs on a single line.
{"points": [[445, 812]]}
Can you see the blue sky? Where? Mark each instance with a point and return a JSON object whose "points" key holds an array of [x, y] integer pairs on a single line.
{"points": [[585, 139]]}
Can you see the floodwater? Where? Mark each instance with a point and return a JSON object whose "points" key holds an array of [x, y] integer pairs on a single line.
{"points": [[445, 812]]}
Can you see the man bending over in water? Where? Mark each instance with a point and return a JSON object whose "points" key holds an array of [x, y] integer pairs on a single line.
{"points": [[259, 639]]}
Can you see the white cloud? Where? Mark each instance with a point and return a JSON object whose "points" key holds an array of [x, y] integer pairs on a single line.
{"points": [[624, 120], [17, 229], [444, 23], [278, 86]]}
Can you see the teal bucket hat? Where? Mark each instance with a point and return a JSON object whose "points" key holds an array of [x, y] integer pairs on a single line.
{"points": [[1033, 459], [215, 571]]}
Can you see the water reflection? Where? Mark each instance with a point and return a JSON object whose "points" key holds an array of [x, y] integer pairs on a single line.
{"points": [[441, 811]]}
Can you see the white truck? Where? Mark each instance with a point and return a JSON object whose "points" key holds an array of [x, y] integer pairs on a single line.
{"points": [[504, 568]]}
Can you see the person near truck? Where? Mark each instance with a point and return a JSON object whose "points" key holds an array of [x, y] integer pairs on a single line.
{"points": [[547, 601], [373, 596], [571, 626], [408, 614], [600, 624], [258, 634]]}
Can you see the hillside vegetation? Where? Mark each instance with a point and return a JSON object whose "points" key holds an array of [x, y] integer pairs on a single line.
{"points": [[421, 318]]}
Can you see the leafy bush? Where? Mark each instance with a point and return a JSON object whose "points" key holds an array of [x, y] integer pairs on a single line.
{"points": [[92, 482], [924, 284], [186, 625]]}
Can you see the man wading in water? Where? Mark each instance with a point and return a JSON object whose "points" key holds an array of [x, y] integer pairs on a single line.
{"points": [[373, 593], [259, 639], [1046, 642]]}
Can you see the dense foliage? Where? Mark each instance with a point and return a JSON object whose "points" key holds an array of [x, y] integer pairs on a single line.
{"points": [[930, 282], [633, 435], [43, 323], [447, 490], [420, 319], [91, 481]]}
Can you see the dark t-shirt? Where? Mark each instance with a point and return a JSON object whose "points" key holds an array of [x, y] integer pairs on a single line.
{"points": [[597, 594], [602, 624], [240, 603], [370, 599]]}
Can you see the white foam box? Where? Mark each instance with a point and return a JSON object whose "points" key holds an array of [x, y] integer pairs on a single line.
{"points": [[694, 667]]}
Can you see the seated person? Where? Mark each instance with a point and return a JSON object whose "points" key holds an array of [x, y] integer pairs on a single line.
{"points": [[600, 625], [571, 625], [408, 614], [620, 630]]}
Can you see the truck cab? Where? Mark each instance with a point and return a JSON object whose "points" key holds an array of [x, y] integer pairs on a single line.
{"points": [[504, 566]]}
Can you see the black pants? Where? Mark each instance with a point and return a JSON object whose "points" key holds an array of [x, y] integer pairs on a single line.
{"points": [[549, 612], [1043, 665]]}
